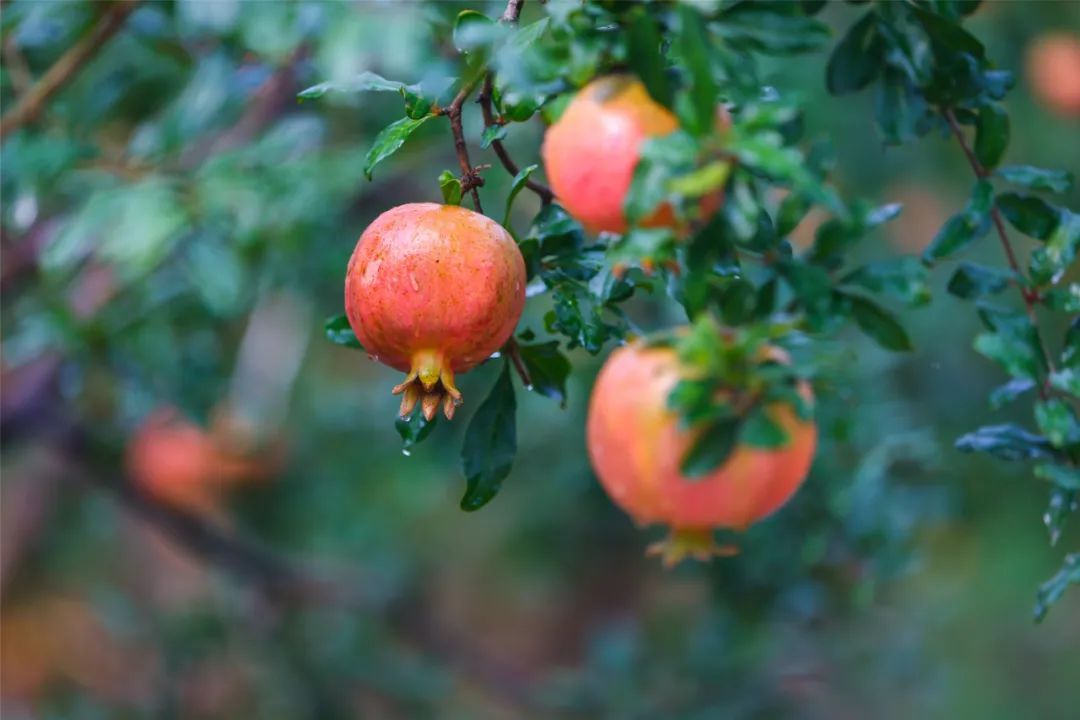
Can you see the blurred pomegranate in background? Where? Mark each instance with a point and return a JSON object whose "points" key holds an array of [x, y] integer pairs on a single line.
{"points": [[1053, 71]]}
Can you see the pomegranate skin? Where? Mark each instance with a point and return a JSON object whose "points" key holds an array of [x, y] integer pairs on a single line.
{"points": [[433, 290], [636, 445], [590, 153], [171, 459], [1053, 69]]}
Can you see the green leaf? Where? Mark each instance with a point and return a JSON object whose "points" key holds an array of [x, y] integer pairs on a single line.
{"points": [[1007, 442], [643, 53], [491, 134], [856, 60], [695, 48], [971, 280], [963, 228], [414, 429], [1067, 380], [759, 430], [1058, 181], [339, 332], [706, 179], [879, 324], [1030, 215], [548, 369], [764, 27], [1066, 477], [1061, 506], [661, 158], [364, 82], [710, 449], [1005, 394], [1058, 422], [473, 30], [991, 135], [490, 444], [390, 140], [451, 187], [1052, 590], [948, 34], [1049, 262], [516, 186], [903, 278], [1013, 352]]}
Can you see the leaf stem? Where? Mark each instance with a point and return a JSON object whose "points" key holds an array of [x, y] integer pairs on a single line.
{"points": [[1030, 296], [513, 351]]}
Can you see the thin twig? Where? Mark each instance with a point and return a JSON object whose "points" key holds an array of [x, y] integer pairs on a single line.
{"points": [[484, 98], [470, 179], [1030, 296], [513, 350], [513, 11], [63, 70]]}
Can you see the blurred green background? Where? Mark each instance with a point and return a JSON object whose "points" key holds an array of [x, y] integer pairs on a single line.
{"points": [[175, 229]]}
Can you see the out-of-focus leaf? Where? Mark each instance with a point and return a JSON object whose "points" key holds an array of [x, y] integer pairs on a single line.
{"points": [[856, 60], [473, 30], [1066, 477], [1058, 422], [1007, 442], [904, 279], [963, 228], [490, 444], [1049, 262], [991, 135], [762, 27], [971, 280], [695, 49], [450, 187], [759, 430], [1013, 352], [1052, 590], [1011, 390], [364, 82], [516, 186], [1029, 214], [1067, 380], [643, 40], [1058, 181], [339, 332], [390, 140], [711, 448], [548, 369], [879, 324]]}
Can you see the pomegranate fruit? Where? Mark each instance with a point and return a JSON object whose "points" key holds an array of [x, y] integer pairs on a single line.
{"points": [[179, 463], [636, 445], [1053, 69], [590, 153], [433, 290]]}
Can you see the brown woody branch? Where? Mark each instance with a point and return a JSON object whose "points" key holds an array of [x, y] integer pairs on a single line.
{"points": [[484, 98], [513, 351], [1029, 295], [470, 178], [30, 105]]}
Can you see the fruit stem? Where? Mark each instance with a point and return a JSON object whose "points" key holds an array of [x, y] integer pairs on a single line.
{"points": [[431, 383], [682, 543]]}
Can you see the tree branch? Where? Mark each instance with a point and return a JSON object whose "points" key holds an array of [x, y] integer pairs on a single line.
{"points": [[470, 179], [64, 69], [1029, 295], [484, 98], [513, 351], [512, 12]]}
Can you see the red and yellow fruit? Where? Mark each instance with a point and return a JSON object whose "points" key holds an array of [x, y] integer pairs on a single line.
{"points": [[636, 445], [590, 153], [179, 463], [1053, 69], [433, 290]]}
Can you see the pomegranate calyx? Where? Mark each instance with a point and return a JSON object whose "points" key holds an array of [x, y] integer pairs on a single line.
{"points": [[431, 383], [682, 543]]}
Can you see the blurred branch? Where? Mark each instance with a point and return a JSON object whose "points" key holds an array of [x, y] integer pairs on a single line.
{"points": [[1029, 296], [513, 11], [30, 105], [21, 78]]}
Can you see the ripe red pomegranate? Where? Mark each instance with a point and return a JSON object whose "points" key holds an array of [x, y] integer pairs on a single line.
{"points": [[433, 290], [591, 151], [636, 444], [181, 464]]}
